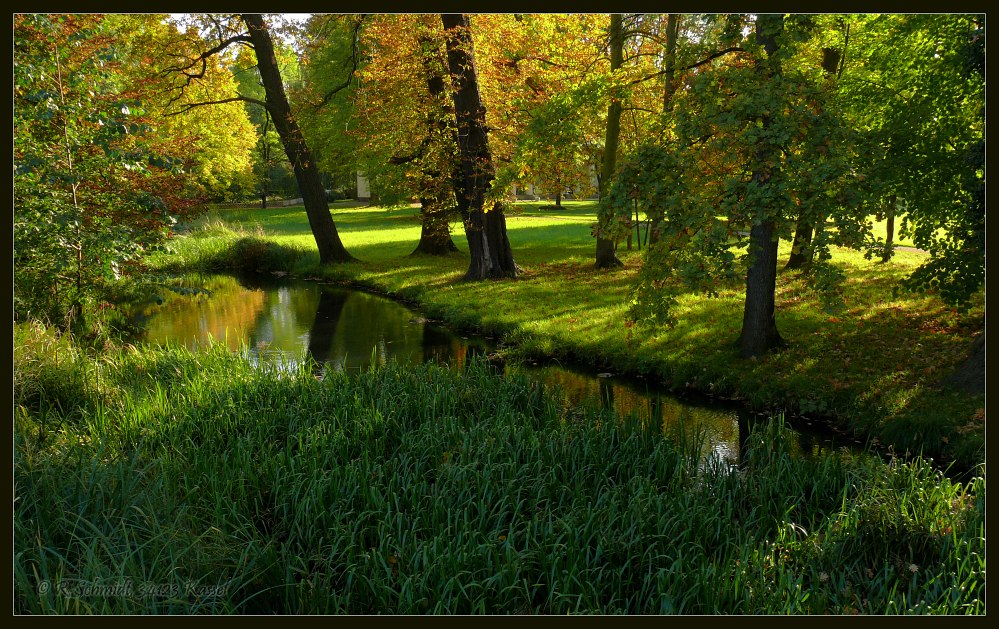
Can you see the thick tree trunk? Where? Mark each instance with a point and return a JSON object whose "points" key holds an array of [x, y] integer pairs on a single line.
{"points": [[558, 199], [435, 213], [605, 256], [435, 231], [488, 245], [759, 327], [331, 249]]}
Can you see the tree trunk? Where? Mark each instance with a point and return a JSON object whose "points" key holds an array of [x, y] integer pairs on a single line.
{"points": [[669, 69], [488, 245], [605, 256], [558, 199], [435, 231], [435, 227], [759, 327], [265, 159], [331, 249], [801, 248], [889, 228]]}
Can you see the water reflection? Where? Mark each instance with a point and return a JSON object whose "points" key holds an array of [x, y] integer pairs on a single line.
{"points": [[282, 323]]}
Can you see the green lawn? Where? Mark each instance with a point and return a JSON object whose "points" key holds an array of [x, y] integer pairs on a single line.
{"points": [[874, 367]]}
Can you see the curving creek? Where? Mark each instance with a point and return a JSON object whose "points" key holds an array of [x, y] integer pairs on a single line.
{"points": [[280, 322]]}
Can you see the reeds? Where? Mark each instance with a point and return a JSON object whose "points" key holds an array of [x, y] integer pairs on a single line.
{"points": [[211, 486]]}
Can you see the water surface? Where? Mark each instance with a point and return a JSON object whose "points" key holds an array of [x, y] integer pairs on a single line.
{"points": [[282, 322]]}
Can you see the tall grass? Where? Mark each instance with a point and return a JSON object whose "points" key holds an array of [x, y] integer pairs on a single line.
{"points": [[232, 489], [211, 243]]}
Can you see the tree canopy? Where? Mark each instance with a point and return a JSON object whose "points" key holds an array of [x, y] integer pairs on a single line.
{"points": [[708, 126]]}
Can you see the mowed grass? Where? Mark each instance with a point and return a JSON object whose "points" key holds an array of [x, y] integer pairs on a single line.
{"points": [[874, 367], [156, 480]]}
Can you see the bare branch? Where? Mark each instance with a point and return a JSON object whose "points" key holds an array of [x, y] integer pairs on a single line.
{"points": [[624, 109]]}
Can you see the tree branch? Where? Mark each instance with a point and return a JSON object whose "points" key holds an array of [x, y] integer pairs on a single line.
{"points": [[702, 62], [654, 37], [355, 40], [516, 60], [624, 109], [203, 57], [714, 56], [203, 60], [846, 46]]}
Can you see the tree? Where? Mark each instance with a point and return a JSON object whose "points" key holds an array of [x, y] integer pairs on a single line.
{"points": [[635, 42], [438, 175], [801, 247], [605, 256], [333, 62], [756, 142], [400, 130], [272, 171], [310, 184], [918, 99], [220, 139], [669, 61], [536, 72], [759, 327], [488, 245], [553, 151], [921, 103], [268, 145], [257, 35], [541, 95], [95, 187]]}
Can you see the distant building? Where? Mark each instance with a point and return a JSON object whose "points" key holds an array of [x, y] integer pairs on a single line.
{"points": [[363, 189]]}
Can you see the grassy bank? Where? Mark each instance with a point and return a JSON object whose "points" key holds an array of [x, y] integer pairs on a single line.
{"points": [[189, 483], [874, 367]]}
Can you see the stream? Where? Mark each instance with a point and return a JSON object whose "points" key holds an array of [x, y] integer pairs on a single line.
{"points": [[280, 322]]}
